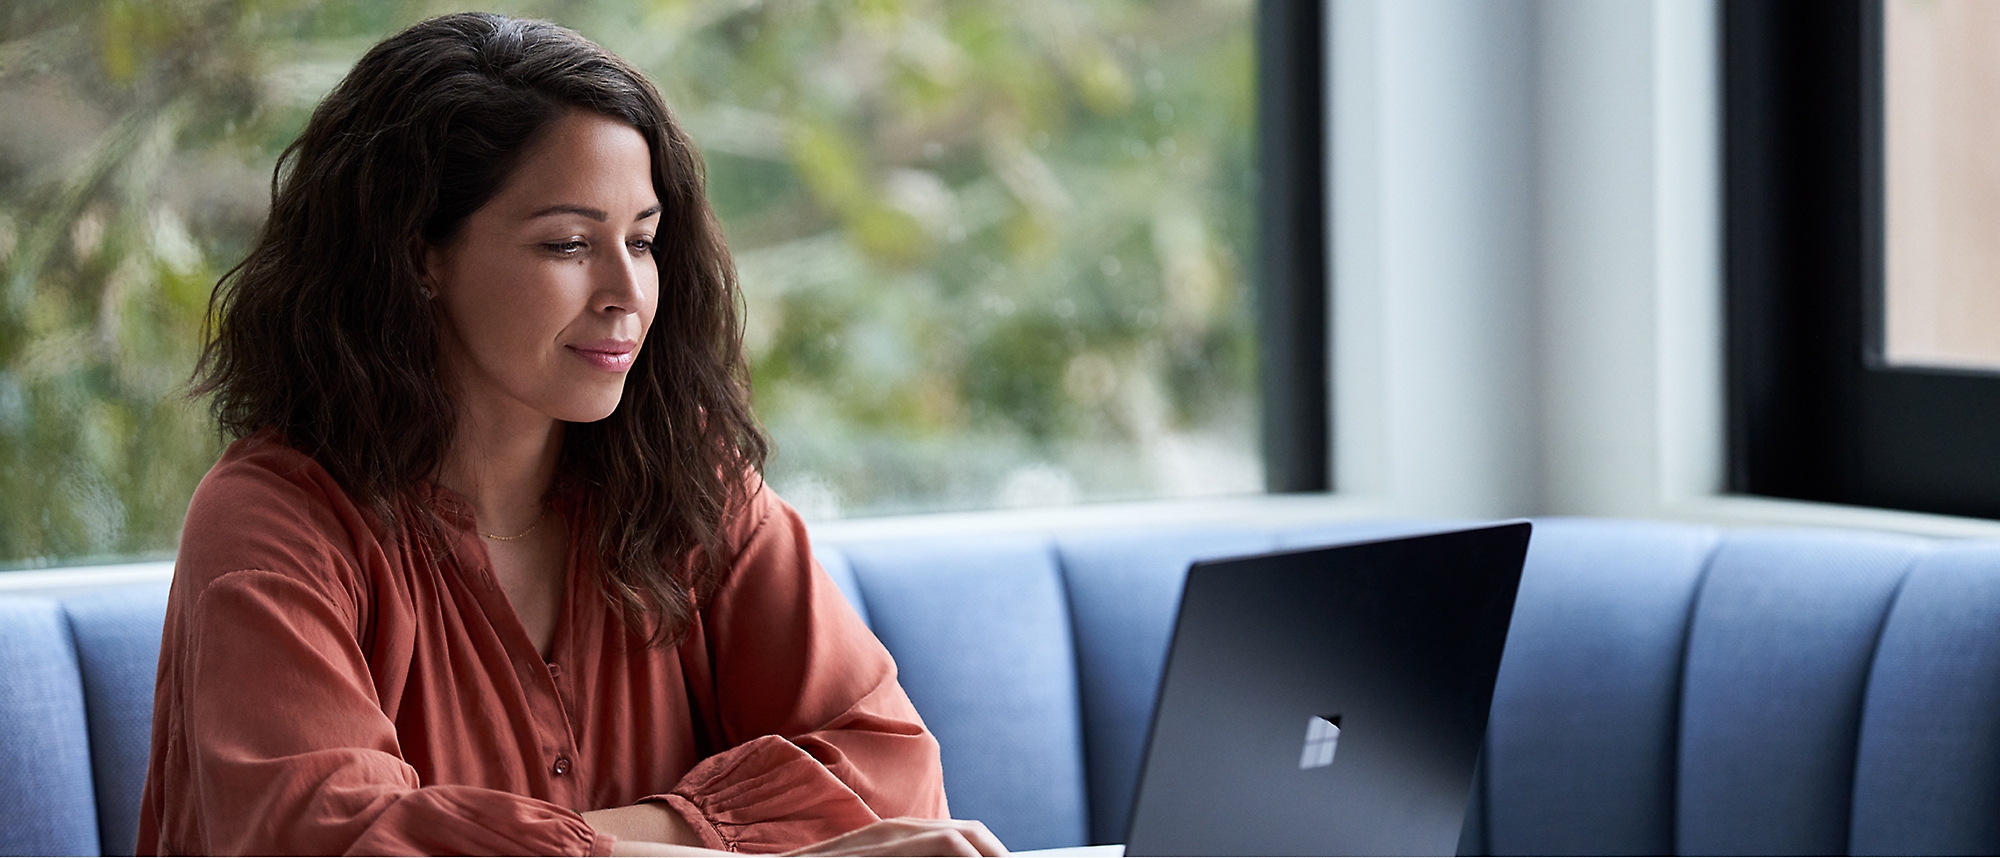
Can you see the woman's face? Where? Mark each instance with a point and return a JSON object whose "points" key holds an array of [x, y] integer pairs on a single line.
{"points": [[549, 288]]}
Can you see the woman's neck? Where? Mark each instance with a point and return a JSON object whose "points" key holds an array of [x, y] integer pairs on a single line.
{"points": [[504, 468]]}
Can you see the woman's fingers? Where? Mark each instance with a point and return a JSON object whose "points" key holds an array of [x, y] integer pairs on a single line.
{"points": [[897, 837], [933, 842], [915, 837], [978, 837], [967, 837]]}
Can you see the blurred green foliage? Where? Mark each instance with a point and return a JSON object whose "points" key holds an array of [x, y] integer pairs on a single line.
{"points": [[993, 251]]}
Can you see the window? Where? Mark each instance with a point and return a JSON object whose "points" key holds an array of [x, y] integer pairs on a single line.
{"points": [[993, 253], [1941, 183], [1860, 234]]}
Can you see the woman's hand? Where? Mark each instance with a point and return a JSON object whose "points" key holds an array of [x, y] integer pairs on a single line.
{"points": [[909, 836], [650, 828]]}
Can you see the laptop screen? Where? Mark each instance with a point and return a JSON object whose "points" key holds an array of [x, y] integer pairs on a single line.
{"points": [[1330, 701]]}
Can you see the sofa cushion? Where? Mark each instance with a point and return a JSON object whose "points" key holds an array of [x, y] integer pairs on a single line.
{"points": [[980, 630], [1124, 594], [835, 563], [1779, 651], [1927, 778], [46, 801], [1579, 753], [117, 634]]}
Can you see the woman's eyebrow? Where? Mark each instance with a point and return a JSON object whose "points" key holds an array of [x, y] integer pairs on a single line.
{"points": [[586, 211], [571, 208]]}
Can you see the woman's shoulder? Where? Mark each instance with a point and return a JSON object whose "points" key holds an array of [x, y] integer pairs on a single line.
{"points": [[756, 511], [267, 506], [261, 474]]}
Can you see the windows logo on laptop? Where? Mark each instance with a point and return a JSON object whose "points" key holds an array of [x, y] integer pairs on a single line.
{"points": [[1322, 734]]}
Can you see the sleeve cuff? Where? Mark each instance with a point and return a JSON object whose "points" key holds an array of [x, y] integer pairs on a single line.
{"points": [[696, 822], [767, 795], [601, 843]]}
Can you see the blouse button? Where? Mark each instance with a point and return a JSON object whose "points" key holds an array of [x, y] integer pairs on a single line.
{"points": [[562, 766], [555, 669]]}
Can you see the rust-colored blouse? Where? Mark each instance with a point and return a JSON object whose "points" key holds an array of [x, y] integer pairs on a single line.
{"points": [[325, 690]]}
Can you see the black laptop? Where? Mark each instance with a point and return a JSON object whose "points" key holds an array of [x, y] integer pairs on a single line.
{"points": [[1329, 701]]}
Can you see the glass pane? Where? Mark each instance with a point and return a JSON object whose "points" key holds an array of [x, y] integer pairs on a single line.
{"points": [[994, 252], [1941, 109]]}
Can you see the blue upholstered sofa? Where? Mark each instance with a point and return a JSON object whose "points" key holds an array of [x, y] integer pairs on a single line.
{"points": [[1666, 688]]}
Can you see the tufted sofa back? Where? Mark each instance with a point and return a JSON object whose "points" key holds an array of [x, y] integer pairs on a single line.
{"points": [[1666, 688], [76, 716]]}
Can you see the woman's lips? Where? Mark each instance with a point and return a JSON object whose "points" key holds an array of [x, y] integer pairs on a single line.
{"points": [[607, 355]]}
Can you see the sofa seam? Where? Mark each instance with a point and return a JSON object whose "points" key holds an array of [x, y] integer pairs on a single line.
{"points": [[1053, 547], [89, 735], [1867, 684], [1679, 739]]}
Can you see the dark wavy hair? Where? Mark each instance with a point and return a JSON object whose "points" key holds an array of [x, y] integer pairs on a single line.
{"points": [[324, 332]]}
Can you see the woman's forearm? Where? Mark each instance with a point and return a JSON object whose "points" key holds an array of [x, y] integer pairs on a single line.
{"points": [[647, 828]]}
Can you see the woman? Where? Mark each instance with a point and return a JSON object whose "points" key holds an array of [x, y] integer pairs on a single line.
{"points": [[489, 567]]}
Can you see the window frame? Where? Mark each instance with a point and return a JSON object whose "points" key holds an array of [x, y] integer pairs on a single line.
{"points": [[1290, 275], [1815, 412]]}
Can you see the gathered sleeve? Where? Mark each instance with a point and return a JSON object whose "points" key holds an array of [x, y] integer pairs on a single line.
{"points": [[269, 734], [819, 737]]}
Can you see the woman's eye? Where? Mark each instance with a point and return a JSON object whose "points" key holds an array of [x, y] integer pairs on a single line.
{"points": [[642, 246], [570, 247]]}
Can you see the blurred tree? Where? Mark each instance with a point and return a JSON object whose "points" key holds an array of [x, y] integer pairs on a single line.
{"points": [[992, 250]]}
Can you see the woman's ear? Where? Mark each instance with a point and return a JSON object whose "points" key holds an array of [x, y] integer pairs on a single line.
{"points": [[435, 260]]}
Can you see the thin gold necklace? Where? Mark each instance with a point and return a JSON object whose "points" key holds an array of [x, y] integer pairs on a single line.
{"points": [[531, 528]]}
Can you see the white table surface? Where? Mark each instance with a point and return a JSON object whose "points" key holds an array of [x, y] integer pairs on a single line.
{"points": [[1115, 850]]}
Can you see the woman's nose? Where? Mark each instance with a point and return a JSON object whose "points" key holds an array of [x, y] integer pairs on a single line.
{"points": [[624, 282]]}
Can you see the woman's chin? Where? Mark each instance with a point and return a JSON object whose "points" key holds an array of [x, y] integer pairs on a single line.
{"points": [[592, 415], [591, 409]]}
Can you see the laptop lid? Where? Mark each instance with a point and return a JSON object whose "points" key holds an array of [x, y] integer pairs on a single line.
{"points": [[1330, 701]]}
